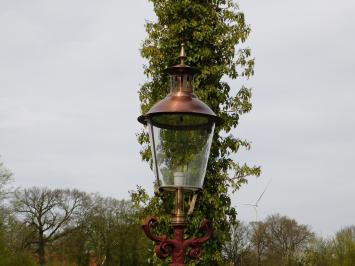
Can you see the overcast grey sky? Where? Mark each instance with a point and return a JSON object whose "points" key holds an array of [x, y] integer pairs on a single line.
{"points": [[69, 75]]}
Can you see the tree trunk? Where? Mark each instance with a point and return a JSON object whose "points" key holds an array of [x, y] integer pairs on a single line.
{"points": [[259, 256], [41, 251]]}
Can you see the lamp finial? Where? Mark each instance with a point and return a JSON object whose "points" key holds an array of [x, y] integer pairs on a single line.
{"points": [[182, 55]]}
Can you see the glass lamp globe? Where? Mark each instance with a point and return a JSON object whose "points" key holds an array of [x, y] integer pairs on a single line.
{"points": [[180, 129]]}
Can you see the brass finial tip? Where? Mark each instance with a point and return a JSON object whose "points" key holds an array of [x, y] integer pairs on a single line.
{"points": [[182, 55]]}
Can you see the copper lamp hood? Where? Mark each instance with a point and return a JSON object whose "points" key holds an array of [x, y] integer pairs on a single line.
{"points": [[181, 102]]}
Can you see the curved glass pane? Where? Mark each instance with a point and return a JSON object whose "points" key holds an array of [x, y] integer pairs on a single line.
{"points": [[180, 156]]}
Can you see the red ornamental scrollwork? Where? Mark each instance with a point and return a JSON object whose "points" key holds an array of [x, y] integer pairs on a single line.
{"points": [[177, 246]]}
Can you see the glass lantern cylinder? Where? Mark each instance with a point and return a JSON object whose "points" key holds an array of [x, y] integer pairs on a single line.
{"points": [[180, 155]]}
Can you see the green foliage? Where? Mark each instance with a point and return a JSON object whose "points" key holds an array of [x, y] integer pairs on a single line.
{"points": [[212, 32], [11, 253], [5, 179], [278, 240], [17, 259], [237, 249], [337, 251], [106, 234], [113, 231], [344, 246], [47, 213], [319, 253]]}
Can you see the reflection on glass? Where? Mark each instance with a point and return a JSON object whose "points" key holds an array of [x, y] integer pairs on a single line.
{"points": [[180, 155]]}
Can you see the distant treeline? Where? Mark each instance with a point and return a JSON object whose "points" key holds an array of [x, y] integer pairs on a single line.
{"points": [[41, 226], [279, 240]]}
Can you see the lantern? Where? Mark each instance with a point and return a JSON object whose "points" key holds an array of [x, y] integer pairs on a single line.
{"points": [[180, 129]]}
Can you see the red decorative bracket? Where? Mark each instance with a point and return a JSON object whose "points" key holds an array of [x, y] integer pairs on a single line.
{"points": [[177, 246]]}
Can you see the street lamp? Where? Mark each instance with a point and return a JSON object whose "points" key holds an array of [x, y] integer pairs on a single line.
{"points": [[180, 129]]}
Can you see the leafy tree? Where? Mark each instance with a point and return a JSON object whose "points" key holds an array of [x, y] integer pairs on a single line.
{"points": [[12, 252], [12, 246], [107, 234], [278, 240], [286, 239], [320, 253], [259, 240], [47, 213], [237, 249], [344, 246], [336, 251], [115, 236], [73, 245], [212, 32], [5, 178]]}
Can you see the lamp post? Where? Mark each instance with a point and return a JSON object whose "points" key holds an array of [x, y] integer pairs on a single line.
{"points": [[180, 129]]}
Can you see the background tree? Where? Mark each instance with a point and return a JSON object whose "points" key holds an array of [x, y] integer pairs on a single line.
{"points": [[344, 246], [108, 234], [336, 251], [259, 240], [12, 250], [278, 240], [47, 213], [211, 31], [5, 178], [320, 253], [286, 239], [115, 236], [237, 249]]}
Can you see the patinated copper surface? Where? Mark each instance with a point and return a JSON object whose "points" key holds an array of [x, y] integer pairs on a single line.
{"points": [[181, 102], [181, 98], [177, 246]]}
